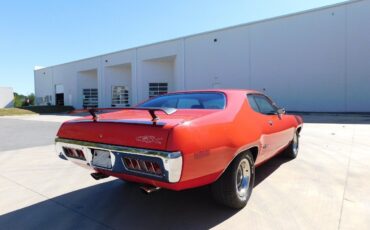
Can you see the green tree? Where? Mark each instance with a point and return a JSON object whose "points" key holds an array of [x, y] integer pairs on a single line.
{"points": [[22, 100], [31, 97], [18, 100]]}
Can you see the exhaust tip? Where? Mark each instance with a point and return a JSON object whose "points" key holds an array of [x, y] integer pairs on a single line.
{"points": [[147, 189], [61, 156], [98, 176]]}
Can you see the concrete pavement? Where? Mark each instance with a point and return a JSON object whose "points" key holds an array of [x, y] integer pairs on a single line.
{"points": [[17, 132], [326, 187]]}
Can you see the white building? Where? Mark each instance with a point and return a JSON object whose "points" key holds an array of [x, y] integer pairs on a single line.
{"points": [[317, 60], [6, 97]]}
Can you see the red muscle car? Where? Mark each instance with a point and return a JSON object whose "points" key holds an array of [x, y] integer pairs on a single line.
{"points": [[184, 140]]}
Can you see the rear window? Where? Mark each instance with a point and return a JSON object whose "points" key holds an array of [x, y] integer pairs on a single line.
{"points": [[188, 101]]}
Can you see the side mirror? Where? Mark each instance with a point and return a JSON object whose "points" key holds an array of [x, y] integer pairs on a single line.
{"points": [[281, 111]]}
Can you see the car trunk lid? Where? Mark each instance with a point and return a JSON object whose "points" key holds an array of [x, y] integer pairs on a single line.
{"points": [[132, 128]]}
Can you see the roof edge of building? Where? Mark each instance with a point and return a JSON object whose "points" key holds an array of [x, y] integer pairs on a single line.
{"points": [[210, 31]]}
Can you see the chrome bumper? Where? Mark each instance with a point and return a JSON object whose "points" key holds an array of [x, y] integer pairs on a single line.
{"points": [[171, 161]]}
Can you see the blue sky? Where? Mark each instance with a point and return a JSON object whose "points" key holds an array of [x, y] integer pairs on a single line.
{"points": [[44, 33]]}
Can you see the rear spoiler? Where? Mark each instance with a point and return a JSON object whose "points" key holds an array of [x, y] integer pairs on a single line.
{"points": [[151, 111]]}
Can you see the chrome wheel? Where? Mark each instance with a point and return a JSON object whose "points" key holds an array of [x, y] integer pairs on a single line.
{"points": [[243, 176], [235, 186]]}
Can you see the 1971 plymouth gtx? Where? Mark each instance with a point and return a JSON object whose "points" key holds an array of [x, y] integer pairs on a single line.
{"points": [[184, 140]]}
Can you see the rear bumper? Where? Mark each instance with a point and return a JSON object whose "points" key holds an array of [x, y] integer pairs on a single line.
{"points": [[170, 162]]}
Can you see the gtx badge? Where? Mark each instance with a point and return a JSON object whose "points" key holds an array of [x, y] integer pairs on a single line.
{"points": [[149, 139]]}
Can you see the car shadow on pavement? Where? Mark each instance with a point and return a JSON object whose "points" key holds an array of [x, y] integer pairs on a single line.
{"points": [[269, 167], [120, 205]]}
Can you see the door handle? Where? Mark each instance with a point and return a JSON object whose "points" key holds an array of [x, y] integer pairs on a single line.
{"points": [[270, 123]]}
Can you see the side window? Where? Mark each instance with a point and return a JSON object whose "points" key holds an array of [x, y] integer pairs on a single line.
{"points": [[253, 103], [265, 105]]}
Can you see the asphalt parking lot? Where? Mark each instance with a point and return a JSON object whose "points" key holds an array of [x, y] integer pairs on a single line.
{"points": [[326, 187]]}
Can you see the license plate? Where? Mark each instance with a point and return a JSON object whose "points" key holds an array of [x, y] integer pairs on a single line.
{"points": [[101, 159]]}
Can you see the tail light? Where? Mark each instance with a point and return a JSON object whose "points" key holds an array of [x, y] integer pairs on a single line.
{"points": [[74, 153], [145, 166]]}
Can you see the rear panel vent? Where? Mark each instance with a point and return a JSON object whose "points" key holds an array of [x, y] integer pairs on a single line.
{"points": [[143, 166], [74, 153]]}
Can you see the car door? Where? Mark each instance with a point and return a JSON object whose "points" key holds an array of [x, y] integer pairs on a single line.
{"points": [[286, 129], [274, 129]]}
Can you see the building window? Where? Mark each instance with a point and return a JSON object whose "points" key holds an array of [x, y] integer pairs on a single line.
{"points": [[156, 89], [44, 100], [90, 98], [120, 96]]}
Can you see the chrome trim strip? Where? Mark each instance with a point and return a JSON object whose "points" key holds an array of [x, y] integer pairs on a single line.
{"points": [[172, 161], [148, 152]]}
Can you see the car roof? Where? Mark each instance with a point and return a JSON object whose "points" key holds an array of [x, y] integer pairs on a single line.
{"points": [[226, 91]]}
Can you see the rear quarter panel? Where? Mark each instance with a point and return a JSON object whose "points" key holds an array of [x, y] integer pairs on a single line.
{"points": [[211, 142]]}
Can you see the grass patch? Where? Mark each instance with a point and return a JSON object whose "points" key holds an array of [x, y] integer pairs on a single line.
{"points": [[15, 111], [29, 110]]}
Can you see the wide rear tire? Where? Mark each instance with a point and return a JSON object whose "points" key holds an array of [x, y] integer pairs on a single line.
{"points": [[234, 188]]}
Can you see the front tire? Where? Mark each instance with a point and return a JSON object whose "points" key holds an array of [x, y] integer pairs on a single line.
{"points": [[234, 187]]}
